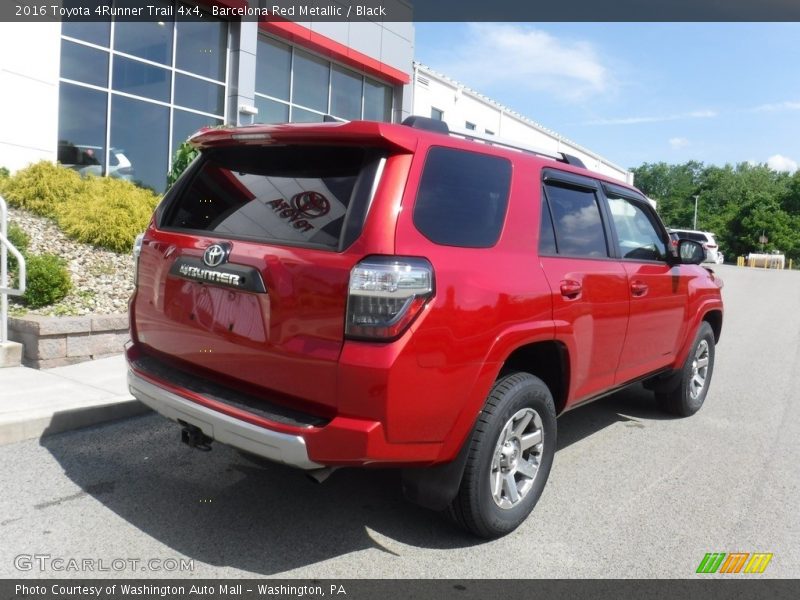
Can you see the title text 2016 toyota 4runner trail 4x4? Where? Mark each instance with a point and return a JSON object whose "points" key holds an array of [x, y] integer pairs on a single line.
{"points": [[373, 294]]}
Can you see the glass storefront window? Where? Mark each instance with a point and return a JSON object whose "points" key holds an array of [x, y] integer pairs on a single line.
{"points": [[319, 87], [345, 93], [300, 115], [139, 131], [377, 101], [270, 111], [273, 68], [310, 81], [137, 135], [201, 48], [199, 94], [81, 127], [140, 79], [85, 64], [151, 40], [95, 33]]}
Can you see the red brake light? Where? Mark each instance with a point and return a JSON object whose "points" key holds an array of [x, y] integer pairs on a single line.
{"points": [[385, 295]]}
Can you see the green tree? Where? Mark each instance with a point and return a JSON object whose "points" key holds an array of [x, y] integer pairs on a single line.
{"points": [[672, 187]]}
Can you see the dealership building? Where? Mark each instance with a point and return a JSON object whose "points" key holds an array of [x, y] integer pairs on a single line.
{"points": [[119, 97]]}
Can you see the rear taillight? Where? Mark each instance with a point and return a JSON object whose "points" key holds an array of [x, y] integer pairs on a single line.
{"points": [[385, 295]]}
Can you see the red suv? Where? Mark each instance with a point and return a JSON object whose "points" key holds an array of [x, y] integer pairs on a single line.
{"points": [[369, 294]]}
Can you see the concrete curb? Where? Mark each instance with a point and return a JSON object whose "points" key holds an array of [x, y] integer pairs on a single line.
{"points": [[37, 403], [31, 426]]}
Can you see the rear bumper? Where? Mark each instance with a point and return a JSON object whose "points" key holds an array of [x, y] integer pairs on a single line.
{"points": [[270, 444], [303, 441]]}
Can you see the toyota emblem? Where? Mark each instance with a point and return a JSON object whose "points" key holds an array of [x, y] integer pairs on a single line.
{"points": [[215, 255]]}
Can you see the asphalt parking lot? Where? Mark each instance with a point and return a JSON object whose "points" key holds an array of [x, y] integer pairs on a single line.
{"points": [[632, 493]]}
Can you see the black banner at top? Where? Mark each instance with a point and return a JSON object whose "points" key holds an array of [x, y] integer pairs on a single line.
{"points": [[405, 10]]}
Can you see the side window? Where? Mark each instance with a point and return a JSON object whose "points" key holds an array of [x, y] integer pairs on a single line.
{"points": [[462, 198], [547, 237], [637, 236], [576, 220]]}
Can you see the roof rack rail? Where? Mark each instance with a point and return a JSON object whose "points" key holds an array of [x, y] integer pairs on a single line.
{"points": [[495, 141]]}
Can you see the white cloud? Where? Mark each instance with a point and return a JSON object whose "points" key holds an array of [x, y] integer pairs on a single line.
{"points": [[695, 114], [510, 54], [782, 163], [677, 143], [776, 106]]}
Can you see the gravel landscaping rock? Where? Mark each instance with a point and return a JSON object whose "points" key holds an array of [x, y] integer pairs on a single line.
{"points": [[102, 280]]}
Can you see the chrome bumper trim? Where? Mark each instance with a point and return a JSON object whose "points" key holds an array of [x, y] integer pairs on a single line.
{"points": [[272, 445]]}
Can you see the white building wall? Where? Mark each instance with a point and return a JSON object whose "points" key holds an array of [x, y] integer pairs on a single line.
{"points": [[29, 67], [461, 105]]}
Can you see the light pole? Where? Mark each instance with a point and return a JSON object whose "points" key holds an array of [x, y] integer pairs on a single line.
{"points": [[696, 198]]}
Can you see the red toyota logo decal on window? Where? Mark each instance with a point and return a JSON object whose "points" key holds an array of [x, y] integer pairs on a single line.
{"points": [[310, 204]]}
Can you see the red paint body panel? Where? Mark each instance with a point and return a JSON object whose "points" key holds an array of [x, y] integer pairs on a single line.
{"points": [[414, 400]]}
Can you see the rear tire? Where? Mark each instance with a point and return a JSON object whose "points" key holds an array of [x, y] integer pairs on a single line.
{"points": [[510, 454], [695, 378]]}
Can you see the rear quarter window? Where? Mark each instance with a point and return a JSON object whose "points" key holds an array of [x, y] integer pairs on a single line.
{"points": [[462, 198]]}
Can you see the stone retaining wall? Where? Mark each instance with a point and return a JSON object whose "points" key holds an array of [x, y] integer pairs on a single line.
{"points": [[58, 341]]}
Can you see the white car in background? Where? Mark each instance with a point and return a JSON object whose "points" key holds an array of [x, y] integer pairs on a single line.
{"points": [[713, 253]]}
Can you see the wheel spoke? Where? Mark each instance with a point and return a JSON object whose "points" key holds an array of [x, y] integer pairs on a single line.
{"points": [[702, 348], [702, 362], [506, 432], [510, 487], [698, 381], [497, 484], [527, 468], [522, 424], [531, 439]]}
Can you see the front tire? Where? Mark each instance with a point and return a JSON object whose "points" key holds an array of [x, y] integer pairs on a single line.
{"points": [[695, 378], [510, 455]]}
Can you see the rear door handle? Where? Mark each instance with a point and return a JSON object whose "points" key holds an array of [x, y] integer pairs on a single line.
{"points": [[639, 288], [571, 289]]}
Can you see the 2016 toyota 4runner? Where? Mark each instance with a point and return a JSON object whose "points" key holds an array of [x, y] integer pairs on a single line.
{"points": [[370, 294]]}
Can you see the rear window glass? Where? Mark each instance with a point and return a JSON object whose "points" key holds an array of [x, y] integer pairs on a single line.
{"points": [[462, 198], [286, 194]]}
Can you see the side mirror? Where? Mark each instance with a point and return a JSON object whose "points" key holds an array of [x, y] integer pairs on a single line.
{"points": [[690, 252]]}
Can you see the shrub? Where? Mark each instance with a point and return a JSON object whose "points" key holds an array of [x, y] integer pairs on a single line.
{"points": [[184, 155], [48, 280], [4, 173], [42, 188], [20, 240], [110, 213]]}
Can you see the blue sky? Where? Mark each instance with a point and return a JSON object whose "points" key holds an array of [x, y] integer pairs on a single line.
{"points": [[638, 92]]}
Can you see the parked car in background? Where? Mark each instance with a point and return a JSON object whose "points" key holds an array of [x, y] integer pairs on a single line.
{"points": [[713, 253], [88, 160]]}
